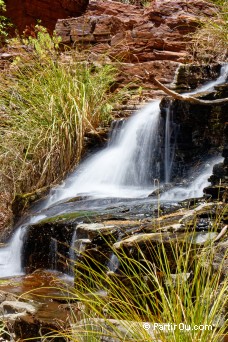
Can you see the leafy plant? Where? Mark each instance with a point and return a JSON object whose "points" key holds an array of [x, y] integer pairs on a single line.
{"points": [[4, 22]]}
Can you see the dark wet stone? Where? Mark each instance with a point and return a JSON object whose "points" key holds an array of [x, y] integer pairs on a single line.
{"points": [[217, 192]]}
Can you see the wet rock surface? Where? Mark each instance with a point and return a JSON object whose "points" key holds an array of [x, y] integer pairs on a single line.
{"points": [[32, 305], [219, 178], [94, 246], [196, 131]]}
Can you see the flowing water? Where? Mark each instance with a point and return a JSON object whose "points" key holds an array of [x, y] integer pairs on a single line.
{"points": [[196, 186], [212, 84], [123, 168], [10, 255], [170, 145], [126, 168]]}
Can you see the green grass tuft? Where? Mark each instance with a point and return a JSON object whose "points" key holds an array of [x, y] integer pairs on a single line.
{"points": [[47, 105]]}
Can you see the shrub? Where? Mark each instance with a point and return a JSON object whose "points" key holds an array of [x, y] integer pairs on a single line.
{"points": [[4, 22], [47, 106]]}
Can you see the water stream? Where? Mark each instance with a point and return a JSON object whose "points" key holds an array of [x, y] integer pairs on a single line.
{"points": [[10, 255], [196, 186], [126, 168]]}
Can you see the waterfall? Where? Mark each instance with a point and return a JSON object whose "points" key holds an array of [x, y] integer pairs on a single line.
{"points": [[72, 254], [10, 255], [167, 146], [195, 188], [212, 84], [116, 127], [125, 167], [113, 263]]}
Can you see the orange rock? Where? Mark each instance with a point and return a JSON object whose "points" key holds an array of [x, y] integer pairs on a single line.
{"points": [[26, 12]]}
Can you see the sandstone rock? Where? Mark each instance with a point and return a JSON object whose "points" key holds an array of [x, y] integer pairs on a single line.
{"points": [[148, 247], [7, 296], [219, 178], [11, 310], [191, 76], [94, 230], [152, 38], [132, 33], [80, 245], [26, 12]]}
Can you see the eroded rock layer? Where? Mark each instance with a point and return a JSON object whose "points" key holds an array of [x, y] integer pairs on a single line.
{"points": [[154, 38]]}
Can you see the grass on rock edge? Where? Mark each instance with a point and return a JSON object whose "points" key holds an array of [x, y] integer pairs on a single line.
{"points": [[47, 107]]}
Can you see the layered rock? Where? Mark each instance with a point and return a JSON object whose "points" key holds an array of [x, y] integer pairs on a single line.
{"points": [[197, 132], [132, 34], [151, 38], [27, 12]]}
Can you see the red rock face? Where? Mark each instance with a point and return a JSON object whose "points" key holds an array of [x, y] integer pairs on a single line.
{"points": [[26, 12], [151, 38], [134, 34]]}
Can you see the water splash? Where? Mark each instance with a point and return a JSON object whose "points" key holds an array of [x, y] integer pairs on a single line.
{"points": [[122, 169], [195, 189], [113, 263], [223, 76], [170, 145], [10, 255]]}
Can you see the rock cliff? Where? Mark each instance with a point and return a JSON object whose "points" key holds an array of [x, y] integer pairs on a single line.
{"points": [[26, 12], [152, 38]]}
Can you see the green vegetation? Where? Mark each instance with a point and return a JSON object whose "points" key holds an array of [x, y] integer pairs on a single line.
{"points": [[143, 3], [210, 41], [47, 106], [68, 217], [148, 291], [4, 22]]}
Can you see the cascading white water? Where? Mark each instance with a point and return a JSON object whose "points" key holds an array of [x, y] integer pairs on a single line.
{"points": [[125, 167], [212, 84], [167, 146], [122, 169], [10, 255], [195, 189]]}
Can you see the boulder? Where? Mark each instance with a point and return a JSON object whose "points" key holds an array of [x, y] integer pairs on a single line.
{"points": [[94, 230], [149, 247], [11, 310], [25, 13]]}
